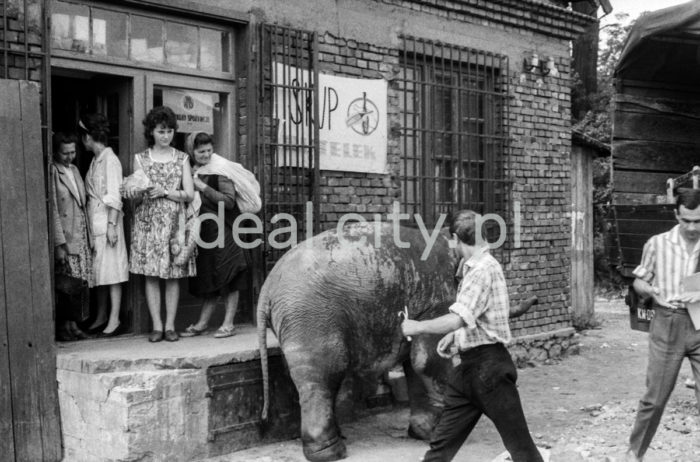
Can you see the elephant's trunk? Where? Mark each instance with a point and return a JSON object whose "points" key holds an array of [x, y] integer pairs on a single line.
{"points": [[262, 314]]}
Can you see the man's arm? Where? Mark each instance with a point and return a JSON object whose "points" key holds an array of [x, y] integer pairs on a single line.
{"points": [[444, 324]]}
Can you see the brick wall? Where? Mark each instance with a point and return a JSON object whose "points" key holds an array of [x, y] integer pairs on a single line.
{"points": [[540, 167], [21, 59], [538, 156], [363, 193]]}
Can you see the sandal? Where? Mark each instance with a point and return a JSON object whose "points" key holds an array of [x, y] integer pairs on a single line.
{"points": [[192, 331], [223, 332]]}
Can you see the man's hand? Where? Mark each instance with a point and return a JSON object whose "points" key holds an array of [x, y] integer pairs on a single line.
{"points": [[689, 297], [410, 327], [645, 290], [444, 347]]}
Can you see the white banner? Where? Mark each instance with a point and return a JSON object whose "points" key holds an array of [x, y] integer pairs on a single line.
{"points": [[194, 109], [352, 125]]}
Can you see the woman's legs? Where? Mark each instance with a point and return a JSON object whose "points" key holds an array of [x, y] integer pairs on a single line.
{"points": [[231, 301], [101, 316], [172, 296], [153, 301], [208, 306], [115, 295]]}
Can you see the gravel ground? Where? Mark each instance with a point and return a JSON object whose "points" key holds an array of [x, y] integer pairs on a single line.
{"points": [[581, 408]]}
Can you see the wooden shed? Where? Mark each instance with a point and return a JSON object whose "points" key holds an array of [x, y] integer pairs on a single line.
{"points": [[656, 125]]}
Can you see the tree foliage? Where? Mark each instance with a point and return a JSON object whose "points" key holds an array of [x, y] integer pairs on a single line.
{"points": [[597, 122]]}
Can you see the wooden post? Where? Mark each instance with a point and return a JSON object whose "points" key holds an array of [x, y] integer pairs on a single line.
{"points": [[582, 297], [27, 353]]}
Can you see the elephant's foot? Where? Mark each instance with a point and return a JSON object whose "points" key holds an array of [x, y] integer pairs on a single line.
{"points": [[333, 449], [420, 425]]}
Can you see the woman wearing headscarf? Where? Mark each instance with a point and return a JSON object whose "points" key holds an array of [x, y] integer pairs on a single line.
{"points": [[221, 269]]}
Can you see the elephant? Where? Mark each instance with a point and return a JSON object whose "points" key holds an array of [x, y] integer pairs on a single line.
{"points": [[333, 301]]}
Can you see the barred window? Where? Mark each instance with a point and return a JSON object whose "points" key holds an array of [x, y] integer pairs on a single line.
{"points": [[453, 136]]}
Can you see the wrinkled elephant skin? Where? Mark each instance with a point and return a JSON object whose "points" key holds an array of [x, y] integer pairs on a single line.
{"points": [[333, 305]]}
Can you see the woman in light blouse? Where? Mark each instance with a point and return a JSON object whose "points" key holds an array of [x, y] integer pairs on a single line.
{"points": [[110, 260]]}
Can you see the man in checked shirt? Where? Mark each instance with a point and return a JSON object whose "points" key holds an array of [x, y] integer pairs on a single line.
{"points": [[484, 381], [668, 258]]}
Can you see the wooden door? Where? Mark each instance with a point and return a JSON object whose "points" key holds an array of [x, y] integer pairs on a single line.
{"points": [[29, 417]]}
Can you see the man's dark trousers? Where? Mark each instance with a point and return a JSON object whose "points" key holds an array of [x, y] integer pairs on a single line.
{"points": [[484, 383]]}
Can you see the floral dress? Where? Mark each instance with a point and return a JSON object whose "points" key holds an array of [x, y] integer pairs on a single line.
{"points": [[156, 220]]}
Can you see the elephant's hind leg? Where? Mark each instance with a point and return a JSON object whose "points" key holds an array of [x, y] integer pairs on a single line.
{"points": [[319, 431], [317, 378]]}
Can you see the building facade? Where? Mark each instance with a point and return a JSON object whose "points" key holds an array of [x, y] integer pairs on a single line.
{"points": [[359, 107]]}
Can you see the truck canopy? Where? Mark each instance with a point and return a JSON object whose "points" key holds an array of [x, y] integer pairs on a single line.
{"points": [[663, 46]]}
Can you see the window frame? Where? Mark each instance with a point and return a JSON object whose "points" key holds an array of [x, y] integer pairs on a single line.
{"points": [[437, 172], [160, 16]]}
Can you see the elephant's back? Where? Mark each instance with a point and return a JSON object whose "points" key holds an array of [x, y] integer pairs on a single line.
{"points": [[364, 262]]}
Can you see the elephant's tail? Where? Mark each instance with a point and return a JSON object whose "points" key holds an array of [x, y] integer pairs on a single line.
{"points": [[262, 315]]}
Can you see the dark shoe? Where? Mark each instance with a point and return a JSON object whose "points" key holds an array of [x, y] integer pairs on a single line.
{"points": [[171, 336], [192, 331], [98, 329], [156, 336], [77, 332], [117, 331], [64, 335]]}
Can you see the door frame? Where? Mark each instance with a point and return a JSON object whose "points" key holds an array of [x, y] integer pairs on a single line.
{"points": [[132, 140]]}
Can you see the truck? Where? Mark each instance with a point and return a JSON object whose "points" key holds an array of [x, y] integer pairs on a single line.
{"points": [[655, 143]]}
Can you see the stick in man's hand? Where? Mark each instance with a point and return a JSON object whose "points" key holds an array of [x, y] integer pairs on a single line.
{"points": [[404, 314]]}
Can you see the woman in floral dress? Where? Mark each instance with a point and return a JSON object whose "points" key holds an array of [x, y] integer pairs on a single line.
{"points": [[156, 219]]}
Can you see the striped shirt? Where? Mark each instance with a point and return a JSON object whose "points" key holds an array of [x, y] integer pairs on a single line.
{"points": [[665, 262], [482, 302]]}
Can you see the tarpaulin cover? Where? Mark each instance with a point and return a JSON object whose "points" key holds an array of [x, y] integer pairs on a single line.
{"points": [[645, 57]]}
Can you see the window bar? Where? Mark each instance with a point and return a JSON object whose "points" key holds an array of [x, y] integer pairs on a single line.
{"points": [[278, 147], [288, 147], [293, 170], [461, 173], [5, 63], [404, 129], [469, 132], [432, 199], [316, 137], [419, 122], [416, 141]]}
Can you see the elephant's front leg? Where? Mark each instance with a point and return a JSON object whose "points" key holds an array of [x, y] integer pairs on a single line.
{"points": [[317, 380], [426, 374]]}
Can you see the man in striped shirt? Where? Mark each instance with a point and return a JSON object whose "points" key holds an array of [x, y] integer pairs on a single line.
{"points": [[668, 258], [484, 381]]}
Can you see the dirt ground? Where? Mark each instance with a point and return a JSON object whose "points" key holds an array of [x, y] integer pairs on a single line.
{"points": [[581, 409]]}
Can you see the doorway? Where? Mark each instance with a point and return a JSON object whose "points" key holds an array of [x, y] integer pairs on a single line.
{"points": [[75, 94]]}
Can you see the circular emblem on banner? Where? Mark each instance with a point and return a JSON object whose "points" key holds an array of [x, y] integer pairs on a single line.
{"points": [[188, 102], [363, 115]]}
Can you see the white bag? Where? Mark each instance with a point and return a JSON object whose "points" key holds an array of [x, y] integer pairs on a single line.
{"points": [[247, 187]]}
